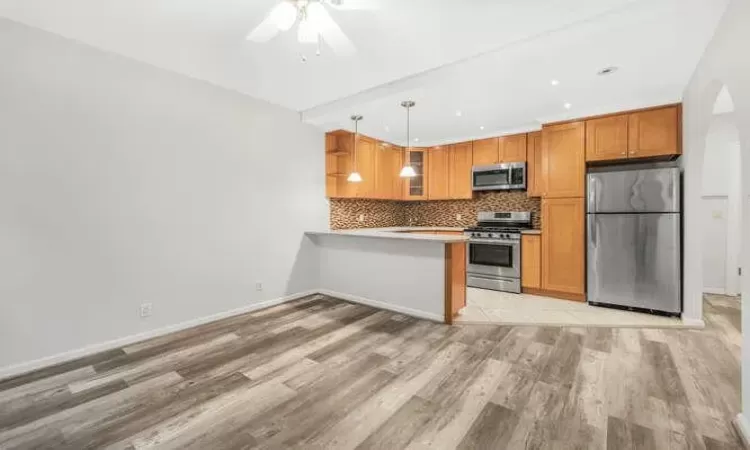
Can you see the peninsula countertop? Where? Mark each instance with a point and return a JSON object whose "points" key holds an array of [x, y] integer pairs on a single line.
{"points": [[407, 233]]}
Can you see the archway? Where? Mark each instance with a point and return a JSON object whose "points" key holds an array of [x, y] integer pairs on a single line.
{"points": [[721, 205], [716, 96]]}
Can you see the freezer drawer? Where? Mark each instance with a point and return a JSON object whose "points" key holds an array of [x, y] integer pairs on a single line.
{"points": [[634, 260], [626, 191]]}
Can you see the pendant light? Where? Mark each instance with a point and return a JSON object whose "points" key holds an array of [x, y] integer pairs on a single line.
{"points": [[408, 171], [355, 177]]}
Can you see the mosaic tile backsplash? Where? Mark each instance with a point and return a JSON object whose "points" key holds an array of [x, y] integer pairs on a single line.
{"points": [[345, 213]]}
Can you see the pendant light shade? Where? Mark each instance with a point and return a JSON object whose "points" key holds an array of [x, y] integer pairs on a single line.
{"points": [[407, 171], [355, 176]]}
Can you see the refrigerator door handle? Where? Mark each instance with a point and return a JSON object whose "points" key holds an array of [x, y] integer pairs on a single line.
{"points": [[592, 231], [592, 194]]}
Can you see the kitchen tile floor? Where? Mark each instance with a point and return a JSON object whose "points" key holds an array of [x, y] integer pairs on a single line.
{"points": [[492, 307]]}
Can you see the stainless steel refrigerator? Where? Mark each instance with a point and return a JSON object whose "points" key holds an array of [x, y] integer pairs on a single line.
{"points": [[633, 237]]}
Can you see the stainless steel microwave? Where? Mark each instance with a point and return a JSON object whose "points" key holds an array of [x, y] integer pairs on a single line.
{"points": [[499, 177]]}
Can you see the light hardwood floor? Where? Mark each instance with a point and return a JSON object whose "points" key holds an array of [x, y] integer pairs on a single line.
{"points": [[322, 373]]}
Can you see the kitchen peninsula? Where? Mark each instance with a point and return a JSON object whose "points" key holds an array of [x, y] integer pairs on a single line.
{"points": [[419, 271]]}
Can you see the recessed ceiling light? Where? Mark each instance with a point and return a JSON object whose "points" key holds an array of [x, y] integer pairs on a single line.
{"points": [[459, 113], [387, 128], [554, 82], [568, 106], [416, 139], [607, 70], [482, 127]]}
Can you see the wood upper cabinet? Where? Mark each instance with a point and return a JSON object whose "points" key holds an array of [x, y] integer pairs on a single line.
{"points": [[534, 178], [486, 152], [365, 162], [654, 132], [563, 160], [460, 171], [563, 268], [415, 188], [512, 148], [389, 162], [531, 261], [439, 161], [607, 138]]}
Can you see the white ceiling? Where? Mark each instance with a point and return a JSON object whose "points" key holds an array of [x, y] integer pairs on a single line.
{"points": [[491, 59]]}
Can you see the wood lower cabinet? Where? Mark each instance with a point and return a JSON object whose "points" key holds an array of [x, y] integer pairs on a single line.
{"points": [[460, 171], [563, 246], [563, 160], [534, 178], [607, 138], [512, 148], [654, 132], [438, 180], [486, 152], [531, 261]]}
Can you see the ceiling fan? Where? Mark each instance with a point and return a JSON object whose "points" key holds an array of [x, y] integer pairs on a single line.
{"points": [[315, 23]]}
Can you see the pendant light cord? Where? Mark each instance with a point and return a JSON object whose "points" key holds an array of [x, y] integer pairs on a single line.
{"points": [[356, 133], [408, 137]]}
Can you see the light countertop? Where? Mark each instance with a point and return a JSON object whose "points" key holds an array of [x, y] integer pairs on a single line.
{"points": [[406, 233]]}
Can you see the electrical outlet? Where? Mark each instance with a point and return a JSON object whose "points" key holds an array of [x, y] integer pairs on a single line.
{"points": [[361, 218], [146, 309], [258, 285], [458, 216]]}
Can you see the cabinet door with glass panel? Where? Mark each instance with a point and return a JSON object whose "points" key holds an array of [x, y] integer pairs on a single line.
{"points": [[415, 188]]}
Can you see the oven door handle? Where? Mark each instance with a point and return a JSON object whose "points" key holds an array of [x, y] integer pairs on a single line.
{"points": [[493, 242]]}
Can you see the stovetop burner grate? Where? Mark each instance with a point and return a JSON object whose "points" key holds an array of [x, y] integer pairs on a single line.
{"points": [[496, 229]]}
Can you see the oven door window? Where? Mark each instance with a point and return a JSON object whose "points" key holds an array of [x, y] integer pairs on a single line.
{"points": [[491, 255], [490, 178]]}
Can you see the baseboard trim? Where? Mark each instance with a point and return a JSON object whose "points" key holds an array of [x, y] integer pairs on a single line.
{"points": [[30, 366], [381, 305], [694, 323], [555, 294], [717, 291], [742, 427]]}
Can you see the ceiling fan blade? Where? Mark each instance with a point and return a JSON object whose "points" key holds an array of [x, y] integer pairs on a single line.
{"points": [[264, 32], [355, 4], [330, 31]]}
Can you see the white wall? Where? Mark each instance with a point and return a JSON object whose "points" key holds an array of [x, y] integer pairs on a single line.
{"points": [[122, 184], [714, 217], [721, 207], [725, 61], [400, 274]]}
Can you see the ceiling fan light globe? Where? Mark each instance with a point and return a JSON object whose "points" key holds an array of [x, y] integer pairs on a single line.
{"points": [[284, 15], [408, 172]]}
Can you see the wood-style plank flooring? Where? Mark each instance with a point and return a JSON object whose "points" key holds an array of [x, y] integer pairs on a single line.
{"points": [[320, 373]]}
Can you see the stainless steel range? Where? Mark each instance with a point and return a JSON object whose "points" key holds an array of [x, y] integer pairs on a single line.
{"points": [[494, 256]]}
